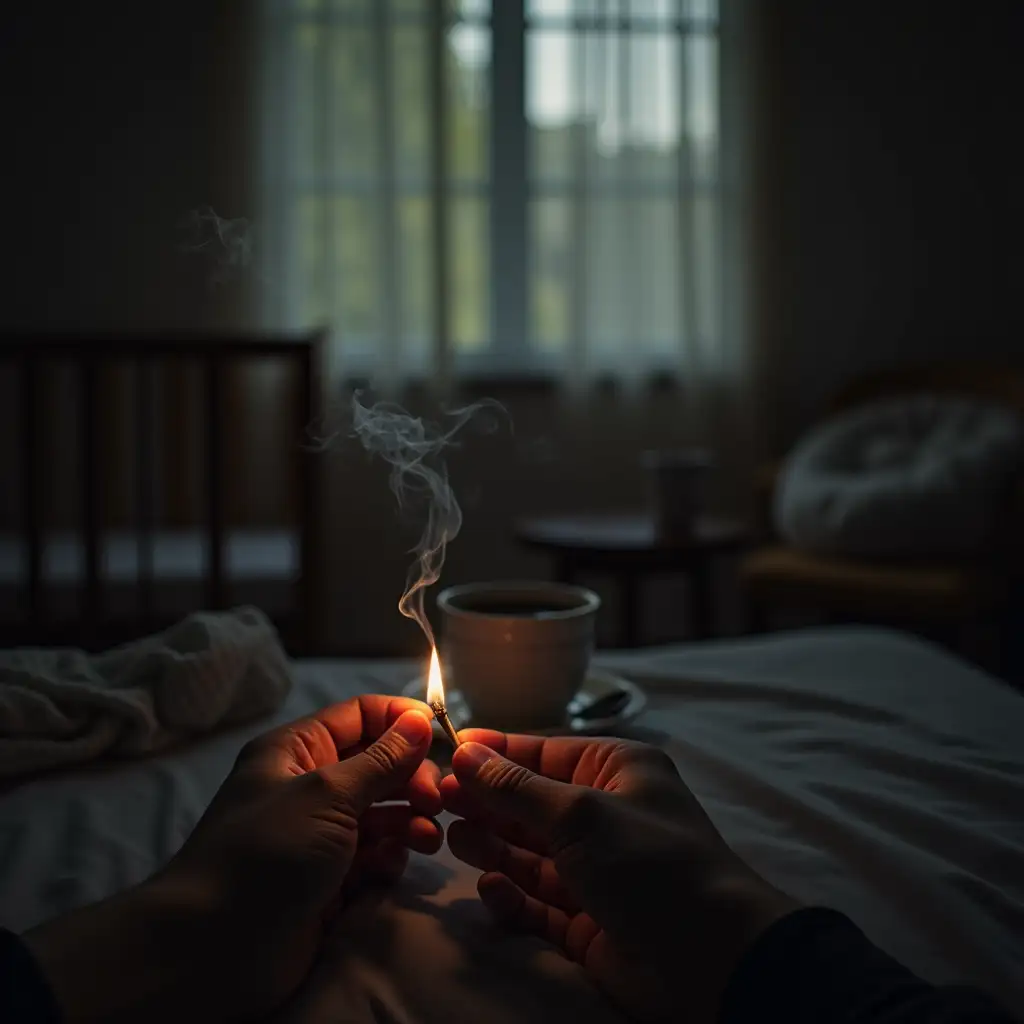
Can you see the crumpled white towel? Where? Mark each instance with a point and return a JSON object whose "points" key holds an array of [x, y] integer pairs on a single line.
{"points": [[63, 706]]}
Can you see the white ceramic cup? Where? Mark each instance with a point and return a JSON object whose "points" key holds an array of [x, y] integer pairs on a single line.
{"points": [[518, 652]]}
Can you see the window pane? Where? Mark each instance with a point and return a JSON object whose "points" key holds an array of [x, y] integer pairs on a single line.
{"points": [[702, 9], [350, 115], [357, 279], [652, 127], [602, 103], [312, 246], [706, 276], [660, 10], [469, 272], [606, 286], [551, 272], [467, 62], [657, 280], [415, 234], [469, 8], [560, 9], [411, 103], [701, 53], [308, 53], [550, 101]]}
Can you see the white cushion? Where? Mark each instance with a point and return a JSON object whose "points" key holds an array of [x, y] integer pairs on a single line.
{"points": [[916, 475]]}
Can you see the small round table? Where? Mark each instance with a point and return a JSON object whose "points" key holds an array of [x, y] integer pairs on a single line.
{"points": [[627, 548]]}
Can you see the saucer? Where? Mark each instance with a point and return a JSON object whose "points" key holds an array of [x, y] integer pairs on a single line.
{"points": [[596, 685]]}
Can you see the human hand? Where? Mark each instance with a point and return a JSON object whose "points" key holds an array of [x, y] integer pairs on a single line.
{"points": [[234, 921], [598, 846]]}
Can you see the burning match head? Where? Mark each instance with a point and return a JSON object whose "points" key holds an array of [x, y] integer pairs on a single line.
{"points": [[442, 719]]}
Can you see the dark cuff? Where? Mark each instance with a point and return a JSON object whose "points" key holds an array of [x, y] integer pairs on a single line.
{"points": [[25, 996], [815, 966]]}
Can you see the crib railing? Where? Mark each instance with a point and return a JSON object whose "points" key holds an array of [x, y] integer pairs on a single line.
{"points": [[149, 359]]}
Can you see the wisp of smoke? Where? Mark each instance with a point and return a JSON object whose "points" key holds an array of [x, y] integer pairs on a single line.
{"points": [[227, 242], [414, 449]]}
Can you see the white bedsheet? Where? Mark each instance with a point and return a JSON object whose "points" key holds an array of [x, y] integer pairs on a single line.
{"points": [[857, 768]]}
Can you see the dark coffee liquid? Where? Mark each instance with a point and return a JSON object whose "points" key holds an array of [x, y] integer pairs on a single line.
{"points": [[503, 606]]}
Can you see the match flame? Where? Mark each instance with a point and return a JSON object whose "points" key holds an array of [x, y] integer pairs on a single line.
{"points": [[435, 688]]}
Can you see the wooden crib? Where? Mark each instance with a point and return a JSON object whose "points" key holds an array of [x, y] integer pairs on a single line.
{"points": [[123, 506]]}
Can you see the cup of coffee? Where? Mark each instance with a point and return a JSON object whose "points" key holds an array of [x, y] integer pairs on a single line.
{"points": [[518, 652]]}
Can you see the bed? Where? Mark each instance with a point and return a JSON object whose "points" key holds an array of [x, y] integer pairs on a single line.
{"points": [[859, 768]]}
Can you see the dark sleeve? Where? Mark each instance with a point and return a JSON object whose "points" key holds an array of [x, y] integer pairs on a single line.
{"points": [[816, 966], [25, 996]]}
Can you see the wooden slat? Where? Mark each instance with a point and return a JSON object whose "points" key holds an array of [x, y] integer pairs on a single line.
{"points": [[30, 355], [311, 499], [214, 490], [89, 370], [145, 482], [30, 483]]}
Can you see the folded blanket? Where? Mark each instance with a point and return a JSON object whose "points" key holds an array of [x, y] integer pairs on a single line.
{"points": [[61, 706]]}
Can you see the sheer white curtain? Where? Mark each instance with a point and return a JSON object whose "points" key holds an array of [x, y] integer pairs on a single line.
{"points": [[523, 186]]}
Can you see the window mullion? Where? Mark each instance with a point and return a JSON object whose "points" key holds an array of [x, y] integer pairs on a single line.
{"points": [[508, 167]]}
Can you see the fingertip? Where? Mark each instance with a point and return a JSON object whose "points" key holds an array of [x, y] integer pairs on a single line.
{"points": [[488, 737], [399, 706], [414, 727], [470, 844], [424, 789], [500, 895], [425, 836], [470, 757]]}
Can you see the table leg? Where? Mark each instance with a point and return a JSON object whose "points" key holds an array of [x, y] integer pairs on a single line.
{"points": [[702, 598], [630, 617]]}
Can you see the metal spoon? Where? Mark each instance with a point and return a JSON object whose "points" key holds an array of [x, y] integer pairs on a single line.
{"points": [[605, 706]]}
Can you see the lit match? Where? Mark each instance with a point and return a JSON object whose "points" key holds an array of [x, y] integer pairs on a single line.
{"points": [[435, 698]]}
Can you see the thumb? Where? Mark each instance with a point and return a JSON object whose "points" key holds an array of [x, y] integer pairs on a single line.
{"points": [[385, 765], [510, 790]]}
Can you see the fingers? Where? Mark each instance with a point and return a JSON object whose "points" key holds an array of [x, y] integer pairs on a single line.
{"points": [[556, 757], [601, 763], [322, 739], [461, 803], [519, 911], [367, 717], [509, 790], [385, 766], [534, 874], [400, 824], [423, 789]]}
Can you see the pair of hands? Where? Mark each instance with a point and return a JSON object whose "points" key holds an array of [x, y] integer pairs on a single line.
{"points": [[595, 845]]}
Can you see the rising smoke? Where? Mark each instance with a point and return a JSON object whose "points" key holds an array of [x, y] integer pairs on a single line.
{"points": [[412, 446], [226, 242], [414, 449]]}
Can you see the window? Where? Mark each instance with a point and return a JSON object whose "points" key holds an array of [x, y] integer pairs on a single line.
{"points": [[515, 186]]}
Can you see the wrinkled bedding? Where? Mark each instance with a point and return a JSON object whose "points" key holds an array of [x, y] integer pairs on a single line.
{"points": [[858, 768]]}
